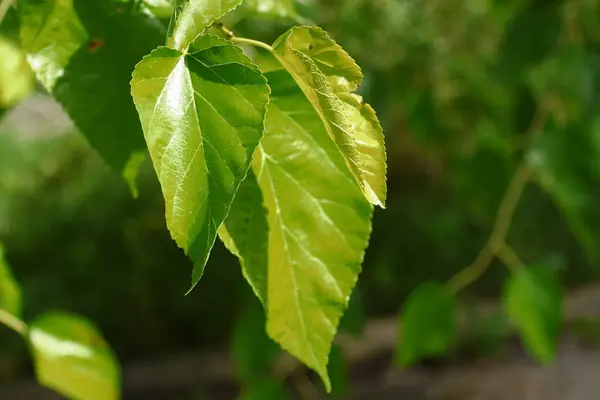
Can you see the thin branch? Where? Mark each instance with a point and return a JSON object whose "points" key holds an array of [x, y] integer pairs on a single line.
{"points": [[240, 40], [508, 205], [13, 322], [510, 258]]}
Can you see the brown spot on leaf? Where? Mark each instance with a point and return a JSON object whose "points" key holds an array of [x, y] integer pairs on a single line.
{"points": [[95, 44]]}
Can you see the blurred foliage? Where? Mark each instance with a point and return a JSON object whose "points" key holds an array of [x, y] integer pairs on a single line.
{"points": [[457, 86]]}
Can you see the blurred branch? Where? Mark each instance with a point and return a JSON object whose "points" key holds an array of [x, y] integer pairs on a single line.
{"points": [[510, 258], [497, 240], [13, 322]]}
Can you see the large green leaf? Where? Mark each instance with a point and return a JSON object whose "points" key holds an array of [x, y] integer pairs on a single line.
{"points": [[319, 225], [16, 79], [192, 17], [10, 291], [83, 52], [533, 300], [203, 114], [428, 324], [72, 358], [328, 76]]}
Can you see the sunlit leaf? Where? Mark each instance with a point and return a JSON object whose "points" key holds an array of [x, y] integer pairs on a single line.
{"points": [[161, 8], [71, 357], [328, 76], [16, 78], [319, 225], [192, 17], [428, 324], [533, 300], [83, 52], [10, 290], [271, 8], [202, 114]]}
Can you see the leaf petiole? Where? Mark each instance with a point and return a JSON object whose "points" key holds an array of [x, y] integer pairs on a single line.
{"points": [[251, 42], [13, 322]]}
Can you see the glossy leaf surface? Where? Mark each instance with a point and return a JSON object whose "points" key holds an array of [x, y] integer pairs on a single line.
{"points": [[192, 17], [428, 324], [328, 76], [202, 114], [533, 301], [319, 225], [72, 358], [83, 53]]}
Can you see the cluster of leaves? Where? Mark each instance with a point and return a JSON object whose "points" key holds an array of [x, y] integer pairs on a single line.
{"points": [[277, 155]]}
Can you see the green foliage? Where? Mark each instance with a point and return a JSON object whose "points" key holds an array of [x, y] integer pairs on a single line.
{"points": [[71, 357], [69, 354], [203, 114], [533, 301], [266, 390], [338, 372], [16, 80], [428, 324], [83, 52]]}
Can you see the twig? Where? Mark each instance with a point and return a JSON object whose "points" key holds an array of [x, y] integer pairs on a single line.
{"points": [[13, 322], [240, 40], [508, 205], [510, 258]]}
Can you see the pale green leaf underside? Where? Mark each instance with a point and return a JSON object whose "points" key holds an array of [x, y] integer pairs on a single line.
{"points": [[319, 225], [83, 52], [202, 114], [71, 357], [10, 290], [328, 76], [192, 17]]}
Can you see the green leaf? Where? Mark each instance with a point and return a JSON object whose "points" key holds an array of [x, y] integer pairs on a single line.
{"points": [[83, 52], [245, 234], [338, 372], [192, 17], [428, 324], [203, 114], [16, 78], [160, 8], [10, 290], [533, 301], [272, 8], [266, 390], [254, 352], [328, 76], [72, 358], [319, 225]]}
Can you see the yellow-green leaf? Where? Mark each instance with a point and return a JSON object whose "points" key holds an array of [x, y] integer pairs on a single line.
{"points": [[71, 357], [16, 78], [328, 76], [203, 114], [319, 225], [10, 290], [192, 17]]}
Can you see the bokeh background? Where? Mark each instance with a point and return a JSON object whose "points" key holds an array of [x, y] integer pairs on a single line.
{"points": [[456, 85]]}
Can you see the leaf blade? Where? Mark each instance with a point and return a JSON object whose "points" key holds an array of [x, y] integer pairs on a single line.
{"points": [[328, 76], [202, 113], [192, 17], [72, 358]]}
